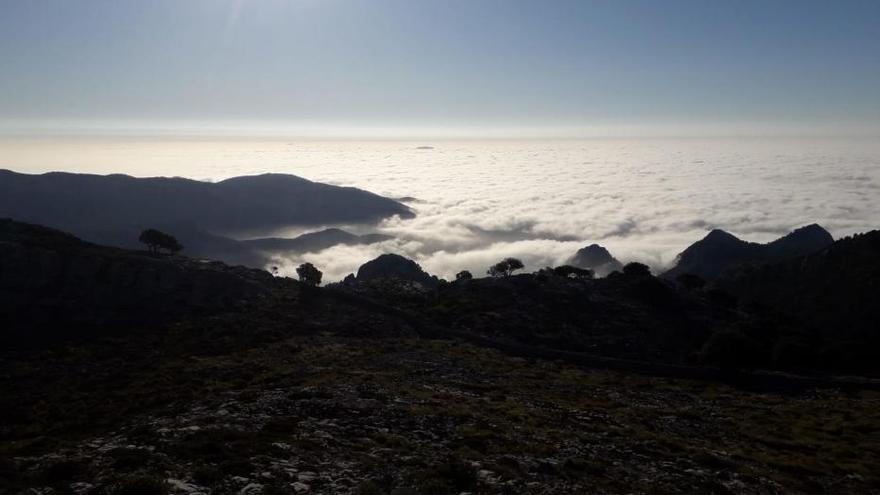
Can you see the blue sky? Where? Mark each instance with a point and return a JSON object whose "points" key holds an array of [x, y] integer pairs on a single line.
{"points": [[448, 63]]}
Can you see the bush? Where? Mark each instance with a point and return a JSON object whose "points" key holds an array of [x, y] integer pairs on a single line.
{"points": [[636, 269]]}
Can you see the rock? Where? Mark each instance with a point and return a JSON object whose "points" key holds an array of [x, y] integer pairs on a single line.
{"points": [[81, 487], [181, 486], [300, 487], [395, 267], [251, 489], [306, 476]]}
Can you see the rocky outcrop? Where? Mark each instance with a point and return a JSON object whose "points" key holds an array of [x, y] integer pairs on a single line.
{"points": [[51, 281], [395, 267], [596, 258], [720, 250]]}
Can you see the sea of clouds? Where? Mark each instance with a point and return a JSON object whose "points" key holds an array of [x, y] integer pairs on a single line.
{"points": [[479, 201]]}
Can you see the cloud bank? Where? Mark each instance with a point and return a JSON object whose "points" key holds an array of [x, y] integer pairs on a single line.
{"points": [[478, 201]]}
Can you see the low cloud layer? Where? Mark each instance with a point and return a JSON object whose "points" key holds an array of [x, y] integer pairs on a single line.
{"points": [[643, 200], [476, 202]]}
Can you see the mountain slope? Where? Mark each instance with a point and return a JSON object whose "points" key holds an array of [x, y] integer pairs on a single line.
{"points": [[835, 290], [720, 250]]}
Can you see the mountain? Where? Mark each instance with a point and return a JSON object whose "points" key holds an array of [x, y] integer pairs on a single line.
{"points": [[719, 250], [240, 204], [596, 258], [114, 209], [834, 290], [314, 241]]}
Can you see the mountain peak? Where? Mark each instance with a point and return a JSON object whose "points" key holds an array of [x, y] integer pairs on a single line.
{"points": [[596, 258]]}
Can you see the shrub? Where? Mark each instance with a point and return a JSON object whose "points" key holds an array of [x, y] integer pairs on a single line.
{"points": [[636, 269]]}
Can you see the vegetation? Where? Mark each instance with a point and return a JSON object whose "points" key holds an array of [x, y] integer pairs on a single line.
{"points": [[464, 275], [505, 267], [636, 269], [690, 281], [156, 241], [309, 275], [570, 271]]}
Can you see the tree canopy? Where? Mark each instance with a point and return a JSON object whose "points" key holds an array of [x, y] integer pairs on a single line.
{"points": [[157, 241], [309, 275], [505, 267]]}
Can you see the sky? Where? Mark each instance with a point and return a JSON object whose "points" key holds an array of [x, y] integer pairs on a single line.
{"points": [[548, 66]]}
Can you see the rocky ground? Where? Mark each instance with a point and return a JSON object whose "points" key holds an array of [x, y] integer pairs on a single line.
{"points": [[332, 414]]}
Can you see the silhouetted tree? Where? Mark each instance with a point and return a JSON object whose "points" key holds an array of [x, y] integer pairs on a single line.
{"points": [[690, 281], [157, 240], [636, 269], [505, 267], [309, 275], [463, 275], [573, 272]]}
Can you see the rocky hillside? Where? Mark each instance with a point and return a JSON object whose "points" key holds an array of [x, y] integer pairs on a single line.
{"points": [[197, 378], [720, 250], [54, 283], [835, 290]]}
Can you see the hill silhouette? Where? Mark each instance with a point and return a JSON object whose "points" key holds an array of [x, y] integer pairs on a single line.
{"points": [[596, 258], [114, 209], [833, 290], [720, 250], [125, 370]]}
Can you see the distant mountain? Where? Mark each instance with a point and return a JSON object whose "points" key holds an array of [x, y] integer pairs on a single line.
{"points": [[113, 209], [720, 250], [596, 258], [314, 241]]}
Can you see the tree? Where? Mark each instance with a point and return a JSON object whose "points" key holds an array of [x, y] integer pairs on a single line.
{"points": [[573, 272], [309, 275], [463, 275], [636, 269], [157, 240], [505, 267]]}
